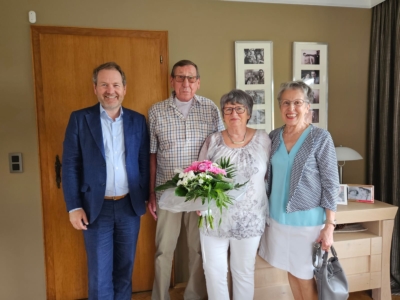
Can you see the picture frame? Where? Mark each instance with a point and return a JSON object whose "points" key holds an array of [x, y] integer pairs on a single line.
{"points": [[361, 193], [310, 64], [342, 197], [254, 75]]}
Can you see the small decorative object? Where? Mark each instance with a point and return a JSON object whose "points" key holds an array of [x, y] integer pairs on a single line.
{"points": [[331, 280], [254, 75], [310, 64], [361, 193], [342, 199], [205, 180]]}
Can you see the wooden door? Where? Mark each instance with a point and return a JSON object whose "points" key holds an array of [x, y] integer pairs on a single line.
{"points": [[64, 59]]}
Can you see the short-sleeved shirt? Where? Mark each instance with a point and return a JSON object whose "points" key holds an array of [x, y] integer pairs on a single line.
{"points": [[177, 140]]}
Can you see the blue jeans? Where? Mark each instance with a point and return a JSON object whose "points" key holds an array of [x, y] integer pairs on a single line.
{"points": [[110, 248]]}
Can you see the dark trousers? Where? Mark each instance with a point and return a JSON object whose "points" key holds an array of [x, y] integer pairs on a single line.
{"points": [[110, 247]]}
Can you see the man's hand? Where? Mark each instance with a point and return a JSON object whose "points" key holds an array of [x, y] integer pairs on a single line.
{"points": [[152, 205], [78, 219]]}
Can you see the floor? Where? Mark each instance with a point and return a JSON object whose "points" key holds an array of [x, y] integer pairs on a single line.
{"points": [[177, 294]]}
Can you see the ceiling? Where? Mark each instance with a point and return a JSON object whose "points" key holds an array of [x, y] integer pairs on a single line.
{"points": [[339, 3]]}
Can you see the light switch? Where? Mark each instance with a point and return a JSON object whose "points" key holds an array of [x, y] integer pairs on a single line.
{"points": [[15, 160]]}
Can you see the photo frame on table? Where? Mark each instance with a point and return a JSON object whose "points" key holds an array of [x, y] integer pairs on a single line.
{"points": [[310, 64], [361, 193], [342, 198], [254, 75]]}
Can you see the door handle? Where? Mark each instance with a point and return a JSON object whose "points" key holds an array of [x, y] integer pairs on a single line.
{"points": [[58, 166]]}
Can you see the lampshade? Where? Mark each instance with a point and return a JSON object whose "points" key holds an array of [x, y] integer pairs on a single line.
{"points": [[346, 154]]}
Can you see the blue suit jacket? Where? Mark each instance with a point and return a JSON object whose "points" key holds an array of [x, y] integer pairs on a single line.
{"points": [[84, 166]]}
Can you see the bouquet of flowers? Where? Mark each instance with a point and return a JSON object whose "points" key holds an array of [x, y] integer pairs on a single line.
{"points": [[205, 180]]}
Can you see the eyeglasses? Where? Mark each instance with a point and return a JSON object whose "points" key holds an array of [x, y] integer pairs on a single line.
{"points": [[229, 110], [181, 78], [287, 103]]}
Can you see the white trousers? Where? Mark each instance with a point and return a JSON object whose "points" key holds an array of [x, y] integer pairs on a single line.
{"points": [[242, 264]]}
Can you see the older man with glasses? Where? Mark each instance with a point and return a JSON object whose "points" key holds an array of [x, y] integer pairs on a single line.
{"points": [[178, 128]]}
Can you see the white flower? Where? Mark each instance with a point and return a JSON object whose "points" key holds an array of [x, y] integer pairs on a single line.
{"points": [[190, 174], [201, 181], [208, 176], [181, 175], [179, 182]]}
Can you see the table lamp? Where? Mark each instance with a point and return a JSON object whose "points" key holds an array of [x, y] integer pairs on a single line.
{"points": [[345, 154]]}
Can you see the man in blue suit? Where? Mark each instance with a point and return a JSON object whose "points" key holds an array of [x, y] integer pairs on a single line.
{"points": [[105, 181]]}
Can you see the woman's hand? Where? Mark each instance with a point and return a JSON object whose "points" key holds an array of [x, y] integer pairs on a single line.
{"points": [[326, 234], [198, 212], [326, 237]]}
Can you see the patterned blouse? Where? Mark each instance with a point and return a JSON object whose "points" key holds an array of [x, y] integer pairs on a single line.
{"points": [[246, 218]]}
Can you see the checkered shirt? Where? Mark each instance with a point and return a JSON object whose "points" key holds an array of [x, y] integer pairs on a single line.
{"points": [[176, 140]]}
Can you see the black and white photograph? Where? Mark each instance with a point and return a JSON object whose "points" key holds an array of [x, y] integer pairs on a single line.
{"points": [[258, 96], [310, 57], [253, 56], [312, 116], [254, 76], [310, 65], [258, 117], [342, 199], [316, 96], [310, 76], [361, 193]]}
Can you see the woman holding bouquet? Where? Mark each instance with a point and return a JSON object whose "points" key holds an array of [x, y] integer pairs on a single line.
{"points": [[243, 222], [303, 187]]}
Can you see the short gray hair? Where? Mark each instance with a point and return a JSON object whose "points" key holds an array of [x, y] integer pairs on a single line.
{"points": [[297, 85], [237, 96]]}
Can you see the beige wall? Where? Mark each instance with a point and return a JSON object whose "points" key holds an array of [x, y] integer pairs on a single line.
{"points": [[200, 30]]}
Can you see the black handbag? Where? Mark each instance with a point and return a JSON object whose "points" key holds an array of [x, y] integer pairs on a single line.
{"points": [[329, 275]]}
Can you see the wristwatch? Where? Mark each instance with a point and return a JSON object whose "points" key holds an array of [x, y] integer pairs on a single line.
{"points": [[332, 222]]}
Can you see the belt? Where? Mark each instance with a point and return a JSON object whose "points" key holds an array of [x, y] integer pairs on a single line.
{"points": [[114, 197]]}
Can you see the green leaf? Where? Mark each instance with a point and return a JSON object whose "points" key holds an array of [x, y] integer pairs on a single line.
{"points": [[211, 221], [223, 185], [181, 191], [167, 185], [239, 185], [225, 164]]}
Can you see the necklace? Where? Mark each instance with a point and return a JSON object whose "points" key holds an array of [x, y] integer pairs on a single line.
{"points": [[236, 143]]}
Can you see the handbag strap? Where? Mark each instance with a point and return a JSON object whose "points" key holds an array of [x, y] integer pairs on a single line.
{"points": [[317, 256]]}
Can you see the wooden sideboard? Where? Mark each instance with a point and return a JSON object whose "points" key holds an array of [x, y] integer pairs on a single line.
{"points": [[364, 256]]}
